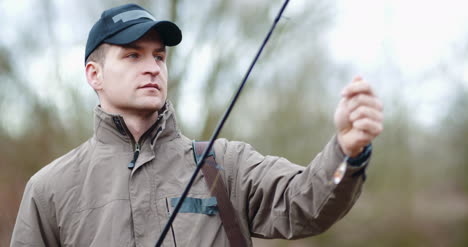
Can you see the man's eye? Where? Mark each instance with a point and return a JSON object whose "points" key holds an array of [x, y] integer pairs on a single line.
{"points": [[132, 55], [159, 58]]}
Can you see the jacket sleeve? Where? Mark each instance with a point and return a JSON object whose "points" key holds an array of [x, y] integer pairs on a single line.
{"points": [[35, 223], [278, 199]]}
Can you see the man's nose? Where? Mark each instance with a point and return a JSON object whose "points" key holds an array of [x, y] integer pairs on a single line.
{"points": [[151, 66]]}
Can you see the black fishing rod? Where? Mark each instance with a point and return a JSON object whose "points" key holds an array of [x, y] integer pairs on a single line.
{"points": [[218, 130]]}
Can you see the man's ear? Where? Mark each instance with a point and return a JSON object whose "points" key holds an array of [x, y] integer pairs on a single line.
{"points": [[94, 75]]}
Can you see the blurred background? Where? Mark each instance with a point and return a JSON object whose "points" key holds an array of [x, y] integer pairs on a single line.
{"points": [[413, 52]]}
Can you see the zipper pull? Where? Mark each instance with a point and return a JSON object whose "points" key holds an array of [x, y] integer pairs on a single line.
{"points": [[135, 156]]}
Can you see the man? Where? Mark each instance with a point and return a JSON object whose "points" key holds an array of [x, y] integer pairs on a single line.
{"points": [[119, 187]]}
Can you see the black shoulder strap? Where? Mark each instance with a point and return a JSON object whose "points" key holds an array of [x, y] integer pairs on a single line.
{"points": [[226, 210]]}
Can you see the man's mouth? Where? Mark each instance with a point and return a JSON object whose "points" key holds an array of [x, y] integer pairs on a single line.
{"points": [[151, 85]]}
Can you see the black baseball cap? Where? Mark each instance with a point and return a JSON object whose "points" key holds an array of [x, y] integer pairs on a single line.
{"points": [[127, 23]]}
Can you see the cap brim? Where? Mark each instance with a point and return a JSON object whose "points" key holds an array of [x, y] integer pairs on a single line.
{"points": [[170, 33]]}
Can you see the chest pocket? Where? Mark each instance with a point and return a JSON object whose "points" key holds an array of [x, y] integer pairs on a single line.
{"points": [[208, 206], [196, 224]]}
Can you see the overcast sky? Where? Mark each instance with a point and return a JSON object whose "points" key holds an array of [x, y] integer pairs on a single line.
{"points": [[416, 36]]}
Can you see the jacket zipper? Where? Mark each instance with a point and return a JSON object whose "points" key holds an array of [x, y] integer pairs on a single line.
{"points": [[172, 229], [136, 153]]}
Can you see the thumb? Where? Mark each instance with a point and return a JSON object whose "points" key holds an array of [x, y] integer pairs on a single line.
{"points": [[357, 78]]}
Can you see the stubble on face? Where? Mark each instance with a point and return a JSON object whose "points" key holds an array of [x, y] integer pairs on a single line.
{"points": [[134, 80]]}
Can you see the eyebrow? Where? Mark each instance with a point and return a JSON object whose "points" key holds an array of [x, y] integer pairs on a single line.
{"points": [[138, 47]]}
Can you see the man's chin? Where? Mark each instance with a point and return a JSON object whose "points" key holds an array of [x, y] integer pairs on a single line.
{"points": [[151, 107]]}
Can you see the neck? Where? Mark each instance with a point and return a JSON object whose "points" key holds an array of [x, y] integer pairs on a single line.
{"points": [[138, 124]]}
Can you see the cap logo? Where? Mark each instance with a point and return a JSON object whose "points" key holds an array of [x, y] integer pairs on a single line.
{"points": [[132, 15]]}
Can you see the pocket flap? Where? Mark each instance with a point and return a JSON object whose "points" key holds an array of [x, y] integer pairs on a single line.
{"points": [[208, 206]]}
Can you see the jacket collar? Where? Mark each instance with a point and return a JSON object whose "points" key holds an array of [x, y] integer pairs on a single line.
{"points": [[111, 129]]}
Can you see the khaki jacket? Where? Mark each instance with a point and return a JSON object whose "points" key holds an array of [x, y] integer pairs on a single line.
{"points": [[89, 197]]}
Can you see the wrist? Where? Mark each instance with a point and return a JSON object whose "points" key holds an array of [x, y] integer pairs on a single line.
{"points": [[350, 152]]}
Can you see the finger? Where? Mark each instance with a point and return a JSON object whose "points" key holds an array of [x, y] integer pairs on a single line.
{"points": [[357, 87], [364, 100], [366, 112], [357, 78], [374, 128]]}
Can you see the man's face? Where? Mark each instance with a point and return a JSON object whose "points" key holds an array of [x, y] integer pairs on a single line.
{"points": [[134, 76]]}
